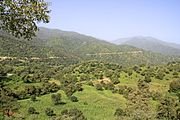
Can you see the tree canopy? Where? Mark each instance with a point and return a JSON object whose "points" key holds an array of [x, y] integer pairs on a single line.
{"points": [[19, 17]]}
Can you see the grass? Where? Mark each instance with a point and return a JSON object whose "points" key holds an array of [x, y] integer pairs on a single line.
{"points": [[96, 105]]}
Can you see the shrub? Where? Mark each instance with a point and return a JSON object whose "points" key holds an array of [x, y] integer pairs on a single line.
{"points": [[147, 79], [79, 87], [56, 98], [109, 86], [167, 109], [73, 113], [174, 86], [32, 110], [90, 83], [119, 112], [175, 73], [156, 95], [99, 87], [49, 112], [33, 98], [160, 75], [73, 99]]}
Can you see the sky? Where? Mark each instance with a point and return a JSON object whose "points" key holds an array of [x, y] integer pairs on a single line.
{"points": [[113, 19]]}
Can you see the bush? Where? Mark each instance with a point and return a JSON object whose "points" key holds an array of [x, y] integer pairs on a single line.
{"points": [[73, 99], [49, 112], [109, 86], [119, 112], [79, 87], [147, 79], [160, 75], [90, 83], [168, 109], [73, 113], [174, 86], [156, 95], [32, 110], [99, 87], [33, 98], [175, 73], [56, 98]]}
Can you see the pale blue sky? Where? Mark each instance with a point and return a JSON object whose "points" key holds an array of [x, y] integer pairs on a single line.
{"points": [[113, 19]]}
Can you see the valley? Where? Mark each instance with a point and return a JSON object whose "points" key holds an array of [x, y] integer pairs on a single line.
{"points": [[62, 75]]}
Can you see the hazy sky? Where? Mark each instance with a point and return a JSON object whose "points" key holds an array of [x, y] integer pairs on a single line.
{"points": [[113, 19]]}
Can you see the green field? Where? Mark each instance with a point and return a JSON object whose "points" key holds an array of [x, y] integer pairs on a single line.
{"points": [[96, 105]]}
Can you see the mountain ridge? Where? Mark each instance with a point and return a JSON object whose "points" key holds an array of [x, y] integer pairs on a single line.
{"points": [[72, 46], [150, 44]]}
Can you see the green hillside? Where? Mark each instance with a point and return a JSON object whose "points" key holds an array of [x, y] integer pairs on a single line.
{"points": [[151, 44], [61, 47], [91, 90]]}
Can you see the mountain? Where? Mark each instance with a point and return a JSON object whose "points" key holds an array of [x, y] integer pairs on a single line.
{"points": [[57, 47], [151, 44]]}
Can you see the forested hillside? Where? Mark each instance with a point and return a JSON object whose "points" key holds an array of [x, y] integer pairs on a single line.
{"points": [[68, 76], [69, 47], [52, 74], [91, 90]]}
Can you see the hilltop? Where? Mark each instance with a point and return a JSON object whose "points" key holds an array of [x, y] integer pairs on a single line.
{"points": [[150, 44]]}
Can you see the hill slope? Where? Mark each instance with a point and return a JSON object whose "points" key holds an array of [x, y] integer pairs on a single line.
{"points": [[72, 46], [151, 44]]}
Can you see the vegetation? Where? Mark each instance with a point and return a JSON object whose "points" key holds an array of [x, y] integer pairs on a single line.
{"points": [[19, 17], [42, 80], [78, 91]]}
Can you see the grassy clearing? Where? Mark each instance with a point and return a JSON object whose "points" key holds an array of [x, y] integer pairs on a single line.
{"points": [[96, 105]]}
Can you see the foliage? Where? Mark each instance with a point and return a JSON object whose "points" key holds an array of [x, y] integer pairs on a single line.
{"points": [[168, 109], [147, 79], [175, 86], [56, 98], [49, 112], [160, 75], [119, 112], [7, 100], [138, 106], [19, 17], [33, 98], [32, 110], [74, 99], [73, 114], [99, 86]]}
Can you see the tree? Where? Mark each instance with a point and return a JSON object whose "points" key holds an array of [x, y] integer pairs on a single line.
{"points": [[119, 112], [32, 110], [99, 86], [168, 109], [49, 112], [138, 105], [19, 17], [8, 104], [147, 79], [160, 75], [56, 98], [74, 99], [174, 86], [72, 114], [33, 98]]}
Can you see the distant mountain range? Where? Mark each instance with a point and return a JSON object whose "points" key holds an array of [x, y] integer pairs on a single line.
{"points": [[73, 47], [150, 44]]}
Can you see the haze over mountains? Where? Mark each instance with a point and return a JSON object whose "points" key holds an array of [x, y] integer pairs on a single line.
{"points": [[150, 44]]}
